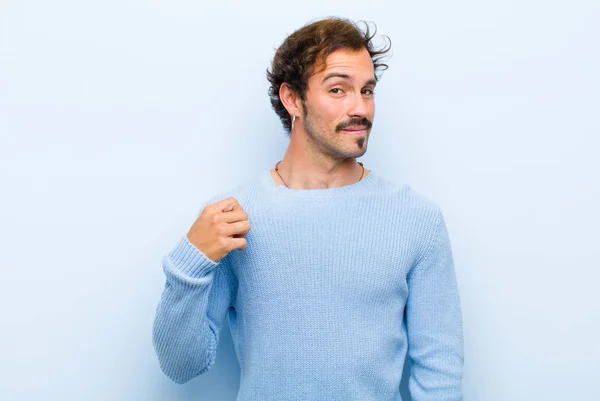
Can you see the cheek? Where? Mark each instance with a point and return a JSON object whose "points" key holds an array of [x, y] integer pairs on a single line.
{"points": [[326, 113], [333, 112]]}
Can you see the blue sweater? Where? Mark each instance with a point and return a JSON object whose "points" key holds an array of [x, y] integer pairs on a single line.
{"points": [[333, 290]]}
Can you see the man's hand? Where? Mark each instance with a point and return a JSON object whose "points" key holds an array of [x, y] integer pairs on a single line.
{"points": [[220, 228]]}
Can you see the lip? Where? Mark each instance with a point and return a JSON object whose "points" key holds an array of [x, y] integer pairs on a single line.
{"points": [[355, 131]]}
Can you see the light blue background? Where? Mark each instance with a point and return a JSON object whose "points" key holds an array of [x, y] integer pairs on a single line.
{"points": [[119, 118]]}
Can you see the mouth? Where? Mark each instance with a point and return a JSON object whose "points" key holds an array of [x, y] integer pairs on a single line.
{"points": [[355, 130]]}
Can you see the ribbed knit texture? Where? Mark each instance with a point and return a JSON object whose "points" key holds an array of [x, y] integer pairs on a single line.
{"points": [[334, 288]]}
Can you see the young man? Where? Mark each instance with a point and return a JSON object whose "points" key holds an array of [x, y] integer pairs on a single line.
{"points": [[337, 273]]}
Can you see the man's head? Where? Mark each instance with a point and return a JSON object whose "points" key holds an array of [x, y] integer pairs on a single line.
{"points": [[324, 74]]}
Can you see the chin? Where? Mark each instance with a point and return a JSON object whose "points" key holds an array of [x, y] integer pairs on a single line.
{"points": [[355, 154]]}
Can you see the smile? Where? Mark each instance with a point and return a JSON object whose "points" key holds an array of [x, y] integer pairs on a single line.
{"points": [[355, 131]]}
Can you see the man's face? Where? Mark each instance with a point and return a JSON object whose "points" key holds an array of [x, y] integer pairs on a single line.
{"points": [[339, 106]]}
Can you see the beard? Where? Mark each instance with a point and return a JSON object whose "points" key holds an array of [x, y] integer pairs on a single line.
{"points": [[338, 147]]}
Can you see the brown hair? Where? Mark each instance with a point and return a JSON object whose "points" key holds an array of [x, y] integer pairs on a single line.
{"points": [[295, 59]]}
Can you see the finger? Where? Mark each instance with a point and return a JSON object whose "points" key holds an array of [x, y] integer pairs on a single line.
{"points": [[239, 243], [233, 216], [240, 227], [227, 205], [231, 205]]}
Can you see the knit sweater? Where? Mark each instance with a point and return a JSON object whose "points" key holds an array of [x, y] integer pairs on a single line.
{"points": [[335, 288]]}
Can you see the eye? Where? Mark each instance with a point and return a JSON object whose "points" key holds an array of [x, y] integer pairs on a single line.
{"points": [[336, 91], [368, 92]]}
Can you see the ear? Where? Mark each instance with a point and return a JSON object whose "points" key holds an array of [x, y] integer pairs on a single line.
{"points": [[290, 99]]}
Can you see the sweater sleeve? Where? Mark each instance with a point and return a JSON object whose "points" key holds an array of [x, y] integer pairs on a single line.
{"points": [[434, 323], [194, 303]]}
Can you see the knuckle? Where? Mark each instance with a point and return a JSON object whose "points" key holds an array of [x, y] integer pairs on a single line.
{"points": [[220, 230], [223, 243]]}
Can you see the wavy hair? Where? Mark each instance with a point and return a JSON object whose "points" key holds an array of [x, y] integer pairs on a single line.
{"points": [[294, 60]]}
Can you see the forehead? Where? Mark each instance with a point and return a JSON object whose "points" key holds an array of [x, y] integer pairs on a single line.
{"points": [[355, 63]]}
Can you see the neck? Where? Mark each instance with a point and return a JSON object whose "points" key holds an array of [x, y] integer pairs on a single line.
{"points": [[319, 173]]}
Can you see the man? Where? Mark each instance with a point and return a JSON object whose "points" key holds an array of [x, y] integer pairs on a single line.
{"points": [[337, 273]]}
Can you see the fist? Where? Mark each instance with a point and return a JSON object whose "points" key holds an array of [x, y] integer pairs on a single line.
{"points": [[220, 228]]}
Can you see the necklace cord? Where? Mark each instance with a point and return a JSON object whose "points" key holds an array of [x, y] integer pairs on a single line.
{"points": [[277, 171]]}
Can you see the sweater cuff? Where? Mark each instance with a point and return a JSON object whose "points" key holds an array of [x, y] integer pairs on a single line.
{"points": [[189, 260]]}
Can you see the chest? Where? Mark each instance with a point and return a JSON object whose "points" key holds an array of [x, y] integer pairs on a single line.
{"points": [[324, 258]]}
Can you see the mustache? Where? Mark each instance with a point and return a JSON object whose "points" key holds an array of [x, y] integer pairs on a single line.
{"points": [[355, 122]]}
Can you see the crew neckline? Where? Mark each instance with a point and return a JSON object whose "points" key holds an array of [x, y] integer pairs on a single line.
{"points": [[365, 183]]}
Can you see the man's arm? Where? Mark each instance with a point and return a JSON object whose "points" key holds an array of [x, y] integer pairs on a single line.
{"points": [[191, 311], [434, 323]]}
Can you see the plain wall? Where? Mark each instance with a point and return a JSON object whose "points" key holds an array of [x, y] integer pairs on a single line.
{"points": [[119, 118]]}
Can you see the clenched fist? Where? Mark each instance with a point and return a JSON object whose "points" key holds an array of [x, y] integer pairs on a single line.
{"points": [[220, 229]]}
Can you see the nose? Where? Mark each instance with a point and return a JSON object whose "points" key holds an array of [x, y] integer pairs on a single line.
{"points": [[360, 107]]}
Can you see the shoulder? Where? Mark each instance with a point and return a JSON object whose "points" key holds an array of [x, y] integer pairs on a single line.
{"points": [[406, 197], [242, 192], [417, 215]]}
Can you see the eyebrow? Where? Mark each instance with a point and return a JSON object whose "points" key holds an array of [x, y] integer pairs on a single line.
{"points": [[346, 76]]}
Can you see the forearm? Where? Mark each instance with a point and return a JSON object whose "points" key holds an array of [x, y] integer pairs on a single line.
{"points": [[182, 335], [434, 323], [436, 352]]}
